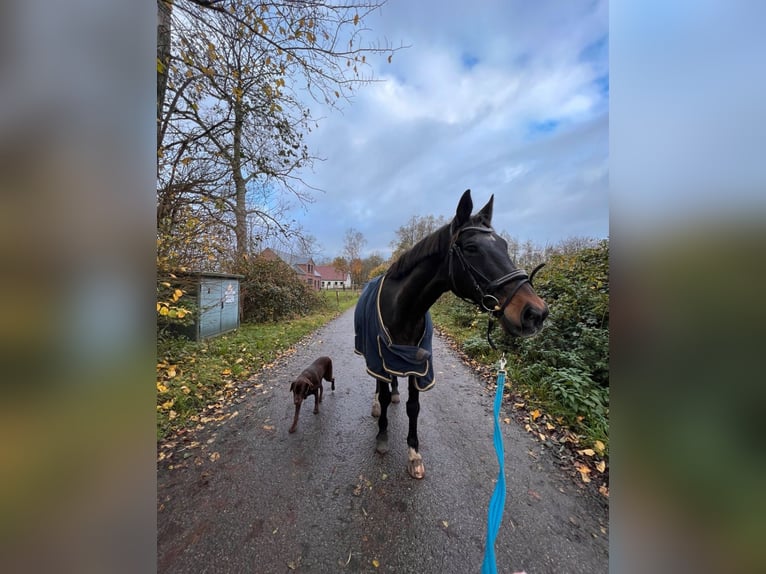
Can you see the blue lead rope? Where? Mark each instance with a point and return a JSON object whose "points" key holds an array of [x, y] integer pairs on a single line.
{"points": [[497, 502]]}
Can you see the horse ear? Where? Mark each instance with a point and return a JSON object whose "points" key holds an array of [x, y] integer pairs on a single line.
{"points": [[485, 215], [463, 213]]}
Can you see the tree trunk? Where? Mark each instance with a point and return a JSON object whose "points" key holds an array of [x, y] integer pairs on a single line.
{"points": [[164, 12], [240, 209]]}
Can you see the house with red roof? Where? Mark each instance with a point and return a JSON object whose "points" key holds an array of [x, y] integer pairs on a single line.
{"points": [[303, 265], [332, 278]]}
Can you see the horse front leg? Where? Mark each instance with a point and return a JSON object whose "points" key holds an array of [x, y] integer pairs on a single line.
{"points": [[395, 390], [384, 396], [415, 465], [376, 400]]}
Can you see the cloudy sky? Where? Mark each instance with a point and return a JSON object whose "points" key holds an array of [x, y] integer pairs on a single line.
{"points": [[505, 97]]}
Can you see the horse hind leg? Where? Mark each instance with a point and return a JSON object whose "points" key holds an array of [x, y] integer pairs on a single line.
{"points": [[384, 396], [415, 466]]}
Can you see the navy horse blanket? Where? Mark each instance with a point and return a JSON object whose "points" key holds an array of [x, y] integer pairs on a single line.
{"points": [[384, 359]]}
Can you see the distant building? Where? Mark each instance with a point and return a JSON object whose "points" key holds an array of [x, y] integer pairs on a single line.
{"points": [[303, 265], [334, 279]]}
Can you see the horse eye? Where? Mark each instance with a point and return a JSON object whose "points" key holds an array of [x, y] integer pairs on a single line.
{"points": [[471, 248]]}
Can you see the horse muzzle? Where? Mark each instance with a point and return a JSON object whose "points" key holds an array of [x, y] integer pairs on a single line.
{"points": [[526, 322]]}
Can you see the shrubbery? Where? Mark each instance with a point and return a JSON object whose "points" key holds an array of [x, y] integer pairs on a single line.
{"points": [[271, 291], [570, 358], [566, 366]]}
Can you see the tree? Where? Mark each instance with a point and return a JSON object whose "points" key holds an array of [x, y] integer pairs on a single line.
{"points": [[229, 126], [414, 230], [374, 261], [353, 243]]}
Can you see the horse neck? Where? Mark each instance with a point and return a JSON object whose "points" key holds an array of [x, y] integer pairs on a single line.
{"points": [[406, 300]]}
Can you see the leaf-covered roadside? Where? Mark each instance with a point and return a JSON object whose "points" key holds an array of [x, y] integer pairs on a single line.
{"points": [[558, 381], [196, 379]]}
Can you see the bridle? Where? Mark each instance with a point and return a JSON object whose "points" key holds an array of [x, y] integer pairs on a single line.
{"points": [[484, 288]]}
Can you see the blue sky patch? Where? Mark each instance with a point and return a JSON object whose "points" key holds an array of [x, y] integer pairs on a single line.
{"points": [[596, 51], [469, 61], [602, 82]]}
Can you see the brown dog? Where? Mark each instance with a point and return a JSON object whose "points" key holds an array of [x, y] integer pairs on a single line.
{"points": [[309, 382]]}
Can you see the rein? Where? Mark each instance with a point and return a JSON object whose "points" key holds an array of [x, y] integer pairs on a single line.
{"points": [[486, 299], [497, 502]]}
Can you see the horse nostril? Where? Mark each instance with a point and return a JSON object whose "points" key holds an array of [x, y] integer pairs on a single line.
{"points": [[533, 317]]}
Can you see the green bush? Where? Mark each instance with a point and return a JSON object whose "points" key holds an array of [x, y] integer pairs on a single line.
{"points": [[569, 359], [272, 291], [565, 368]]}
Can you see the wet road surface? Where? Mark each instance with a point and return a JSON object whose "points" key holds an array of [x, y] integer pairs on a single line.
{"points": [[322, 500]]}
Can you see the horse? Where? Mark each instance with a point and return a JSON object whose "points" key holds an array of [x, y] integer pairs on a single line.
{"points": [[392, 322]]}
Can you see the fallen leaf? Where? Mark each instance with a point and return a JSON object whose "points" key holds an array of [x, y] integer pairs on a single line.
{"points": [[535, 414], [601, 466], [584, 472], [507, 421], [445, 523], [268, 427], [599, 446], [549, 426], [214, 456], [375, 562], [226, 372], [587, 451], [604, 490]]}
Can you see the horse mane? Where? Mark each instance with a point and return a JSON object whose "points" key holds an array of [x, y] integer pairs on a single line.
{"points": [[436, 242]]}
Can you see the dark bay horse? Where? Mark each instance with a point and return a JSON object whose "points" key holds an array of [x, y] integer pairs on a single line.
{"points": [[392, 322]]}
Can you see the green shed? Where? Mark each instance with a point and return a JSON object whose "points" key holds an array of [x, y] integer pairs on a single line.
{"points": [[215, 297]]}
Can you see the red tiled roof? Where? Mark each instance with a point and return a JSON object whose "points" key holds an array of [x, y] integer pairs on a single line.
{"points": [[329, 273]]}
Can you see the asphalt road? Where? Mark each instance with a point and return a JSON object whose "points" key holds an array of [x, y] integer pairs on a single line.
{"points": [[256, 499]]}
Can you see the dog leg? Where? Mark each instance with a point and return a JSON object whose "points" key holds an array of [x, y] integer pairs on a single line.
{"points": [[295, 419], [328, 376]]}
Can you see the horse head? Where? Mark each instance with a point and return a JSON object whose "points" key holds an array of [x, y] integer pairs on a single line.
{"points": [[481, 271]]}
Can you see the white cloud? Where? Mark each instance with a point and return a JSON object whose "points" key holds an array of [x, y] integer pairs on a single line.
{"points": [[500, 101]]}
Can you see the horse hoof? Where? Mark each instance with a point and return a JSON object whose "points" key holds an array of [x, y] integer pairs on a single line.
{"points": [[381, 445], [395, 398], [416, 468]]}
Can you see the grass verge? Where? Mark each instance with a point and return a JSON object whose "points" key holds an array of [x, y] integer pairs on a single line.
{"points": [[194, 377]]}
